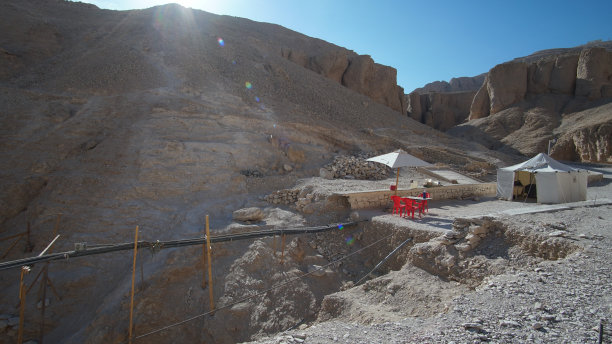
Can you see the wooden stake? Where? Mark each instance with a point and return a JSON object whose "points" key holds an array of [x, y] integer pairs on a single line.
{"points": [[133, 280], [22, 297], [274, 245], [282, 248], [43, 286], [208, 254], [204, 256]]}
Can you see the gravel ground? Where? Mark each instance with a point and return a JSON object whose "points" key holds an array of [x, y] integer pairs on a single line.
{"points": [[543, 301]]}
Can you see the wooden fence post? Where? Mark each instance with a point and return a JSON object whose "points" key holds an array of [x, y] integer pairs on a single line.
{"points": [[208, 253], [22, 297], [133, 280]]}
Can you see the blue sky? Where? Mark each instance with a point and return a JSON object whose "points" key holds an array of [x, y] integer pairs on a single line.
{"points": [[425, 41]]}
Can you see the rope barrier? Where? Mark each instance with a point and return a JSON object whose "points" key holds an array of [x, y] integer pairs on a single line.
{"points": [[261, 292]]}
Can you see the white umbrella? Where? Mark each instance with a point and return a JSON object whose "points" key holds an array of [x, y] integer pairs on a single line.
{"points": [[398, 159]]}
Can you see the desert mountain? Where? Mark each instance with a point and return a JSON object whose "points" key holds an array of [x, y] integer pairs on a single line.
{"points": [[521, 105], [156, 118]]}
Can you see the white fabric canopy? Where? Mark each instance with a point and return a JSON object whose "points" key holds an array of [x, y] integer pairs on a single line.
{"points": [[399, 158], [555, 182]]}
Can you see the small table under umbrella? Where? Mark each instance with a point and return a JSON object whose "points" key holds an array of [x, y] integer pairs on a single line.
{"points": [[398, 159]]}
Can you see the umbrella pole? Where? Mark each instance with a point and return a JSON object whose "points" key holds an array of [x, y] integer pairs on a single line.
{"points": [[396, 181]]}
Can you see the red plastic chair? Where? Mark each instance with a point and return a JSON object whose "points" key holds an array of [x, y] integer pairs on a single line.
{"points": [[411, 206], [398, 207]]}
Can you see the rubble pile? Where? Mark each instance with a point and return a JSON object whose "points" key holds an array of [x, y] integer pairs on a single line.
{"points": [[354, 167], [286, 196]]}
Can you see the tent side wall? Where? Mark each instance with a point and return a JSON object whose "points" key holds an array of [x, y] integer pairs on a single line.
{"points": [[561, 187], [549, 187], [576, 182], [505, 184]]}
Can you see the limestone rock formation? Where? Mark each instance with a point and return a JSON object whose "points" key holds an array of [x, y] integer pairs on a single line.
{"points": [[585, 74], [507, 84], [594, 74], [461, 84], [440, 110], [357, 72], [592, 143], [536, 95]]}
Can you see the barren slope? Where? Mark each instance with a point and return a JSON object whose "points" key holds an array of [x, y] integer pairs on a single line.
{"points": [[119, 119]]}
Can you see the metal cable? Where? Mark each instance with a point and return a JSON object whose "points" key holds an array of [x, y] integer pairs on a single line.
{"points": [[99, 249], [261, 292], [384, 260]]}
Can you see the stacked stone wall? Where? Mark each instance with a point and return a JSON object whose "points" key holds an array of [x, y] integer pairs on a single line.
{"points": [[382, 198]]}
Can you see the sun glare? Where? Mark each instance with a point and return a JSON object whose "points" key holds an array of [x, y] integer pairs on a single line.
{"points": [[190, 3]]}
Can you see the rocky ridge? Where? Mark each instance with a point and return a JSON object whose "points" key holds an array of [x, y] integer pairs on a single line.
{"points": [[525, 103]]}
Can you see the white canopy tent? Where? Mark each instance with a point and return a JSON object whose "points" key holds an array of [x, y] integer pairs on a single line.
{"points": [[553, 181]]}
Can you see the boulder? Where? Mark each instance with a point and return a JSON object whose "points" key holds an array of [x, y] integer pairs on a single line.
{"points": [[253, 214]]}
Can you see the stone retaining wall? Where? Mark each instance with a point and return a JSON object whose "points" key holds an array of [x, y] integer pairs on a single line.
{"points": [[381, 198]]}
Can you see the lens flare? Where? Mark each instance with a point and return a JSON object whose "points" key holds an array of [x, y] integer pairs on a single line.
{"points": [[248, 85], [340, 227], [350, 240], [221, 41], [257, 99]]}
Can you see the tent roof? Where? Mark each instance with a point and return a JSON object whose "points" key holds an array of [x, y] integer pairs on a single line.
{"points": [[540, 163], [399, 158]]}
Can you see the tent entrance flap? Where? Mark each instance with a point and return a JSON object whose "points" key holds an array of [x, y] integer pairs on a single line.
{"points": [[524, 185]]}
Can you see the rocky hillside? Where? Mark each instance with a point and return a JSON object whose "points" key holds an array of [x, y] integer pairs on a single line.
{"points": [[524, 103], [156, 118]]}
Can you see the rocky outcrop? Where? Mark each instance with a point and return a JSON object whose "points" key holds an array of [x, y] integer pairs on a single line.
{"points": [[481, 103], [440, 110], [507, 84], [593, 143], [461, 84], [356, 72], [594, 74], [587, 74]]}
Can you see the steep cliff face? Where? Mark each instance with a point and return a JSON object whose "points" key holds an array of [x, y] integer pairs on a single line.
{"points": [[587, 74], [441, 104], [461, 84], [440, 111], [357, 72], [558, 85]]}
